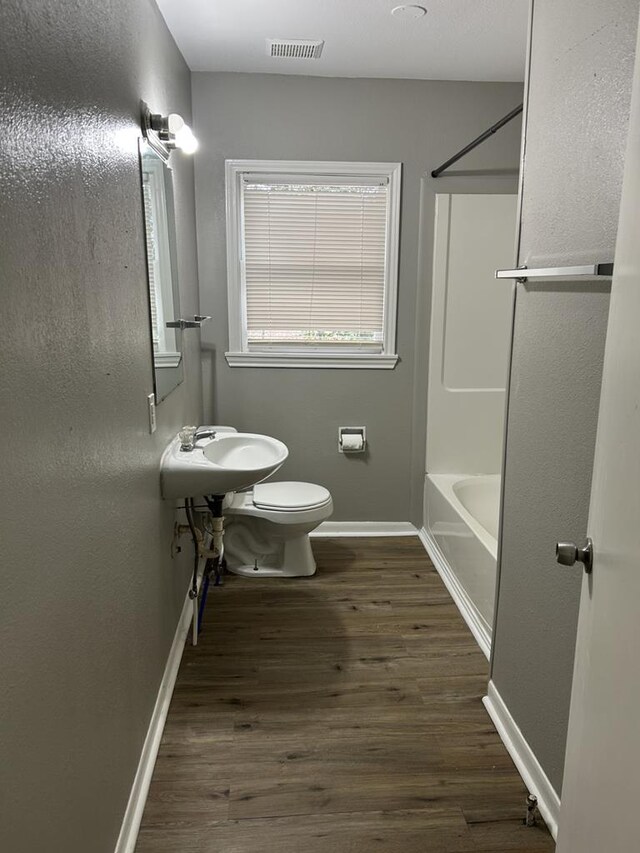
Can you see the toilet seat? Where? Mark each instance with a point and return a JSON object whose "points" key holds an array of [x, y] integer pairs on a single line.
{"points": [[283, 503], [290, 497]]}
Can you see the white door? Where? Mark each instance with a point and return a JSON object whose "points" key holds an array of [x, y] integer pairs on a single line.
{"points": [[600, 807]]}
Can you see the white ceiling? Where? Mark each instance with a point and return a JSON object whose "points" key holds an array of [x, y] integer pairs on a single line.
{"points": [[456, 40]]}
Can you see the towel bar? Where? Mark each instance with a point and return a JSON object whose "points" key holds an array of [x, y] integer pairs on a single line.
{"points": [[589, 270]]}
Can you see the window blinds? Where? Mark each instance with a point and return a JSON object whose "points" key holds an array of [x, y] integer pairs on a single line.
{"points": [[314, 261]]}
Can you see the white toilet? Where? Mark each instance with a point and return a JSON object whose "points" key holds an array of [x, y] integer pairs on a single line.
{"points": [[266, 531]]}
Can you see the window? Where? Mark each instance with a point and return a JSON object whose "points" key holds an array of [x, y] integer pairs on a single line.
{"points": [[312, 255]]}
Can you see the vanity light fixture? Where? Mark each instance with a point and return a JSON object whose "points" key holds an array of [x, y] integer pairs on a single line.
{"points": [[166, 133]]}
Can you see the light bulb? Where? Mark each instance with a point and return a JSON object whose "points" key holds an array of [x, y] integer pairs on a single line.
{"points": [[175, 124], [185, 140]]}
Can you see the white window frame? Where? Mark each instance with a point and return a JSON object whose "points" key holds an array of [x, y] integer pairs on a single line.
{"points": [[239, 354]]}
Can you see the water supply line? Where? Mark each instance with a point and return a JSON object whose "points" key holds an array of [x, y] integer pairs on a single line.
{"points": [[213, 552], [196, 535]]}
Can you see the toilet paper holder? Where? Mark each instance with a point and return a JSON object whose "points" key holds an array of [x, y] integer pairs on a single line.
{"points": [[352, 439]]}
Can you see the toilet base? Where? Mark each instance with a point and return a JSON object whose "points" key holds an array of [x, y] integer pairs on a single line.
{"points": [[294, 559]]}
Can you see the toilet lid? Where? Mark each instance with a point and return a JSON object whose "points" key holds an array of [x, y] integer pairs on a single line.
{"points": [[285, 496]]}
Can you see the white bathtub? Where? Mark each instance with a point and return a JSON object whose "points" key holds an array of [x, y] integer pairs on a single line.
{"points": [[461, 520]]}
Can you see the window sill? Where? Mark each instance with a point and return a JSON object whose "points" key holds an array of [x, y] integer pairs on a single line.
{"points": [[166, 359], [350, 361]]}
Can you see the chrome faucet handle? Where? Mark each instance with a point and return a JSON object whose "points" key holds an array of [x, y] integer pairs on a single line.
{"points": [[187, 437]]}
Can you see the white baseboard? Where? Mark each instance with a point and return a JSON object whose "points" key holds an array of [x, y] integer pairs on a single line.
{"points": [[465, 605], [523, 757], [365, 528], [140, 789]]}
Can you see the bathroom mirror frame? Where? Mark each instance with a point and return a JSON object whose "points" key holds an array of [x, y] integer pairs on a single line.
{"points": [[158, 210]]}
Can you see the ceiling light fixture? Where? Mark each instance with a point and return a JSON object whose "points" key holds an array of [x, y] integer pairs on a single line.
{"points": [[409, 12]]}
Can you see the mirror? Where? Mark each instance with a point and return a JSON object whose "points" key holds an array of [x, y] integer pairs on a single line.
{"points": [[162, 270]]}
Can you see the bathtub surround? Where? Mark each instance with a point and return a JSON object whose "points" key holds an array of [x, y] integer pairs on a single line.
{"points": [[90, 596], [420, 123], [580, 76], [471, 320]]}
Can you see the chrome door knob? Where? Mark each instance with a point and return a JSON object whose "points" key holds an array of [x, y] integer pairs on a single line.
{"points": [[568, 554]]}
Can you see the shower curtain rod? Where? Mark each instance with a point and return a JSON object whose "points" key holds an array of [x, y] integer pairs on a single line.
{"points": [[477, 141]]}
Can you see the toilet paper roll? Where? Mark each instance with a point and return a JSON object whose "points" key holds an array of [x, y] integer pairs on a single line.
{"points": [[352, 442]]}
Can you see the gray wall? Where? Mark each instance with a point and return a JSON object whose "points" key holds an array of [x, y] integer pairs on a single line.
{"points": [[421, 124], [90, 596], [578, 104]]}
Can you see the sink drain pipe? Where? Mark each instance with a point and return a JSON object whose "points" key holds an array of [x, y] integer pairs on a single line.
{"points": [[214, 502], [214, 556], [215, 563]]}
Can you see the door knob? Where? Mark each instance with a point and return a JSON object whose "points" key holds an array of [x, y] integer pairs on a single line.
{"points": [[568, 554]]}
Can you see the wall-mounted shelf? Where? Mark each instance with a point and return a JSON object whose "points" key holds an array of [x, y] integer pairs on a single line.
{"points": [[596, 271]]}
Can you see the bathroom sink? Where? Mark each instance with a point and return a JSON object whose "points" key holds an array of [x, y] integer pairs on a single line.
{"points": [[227, 463]]}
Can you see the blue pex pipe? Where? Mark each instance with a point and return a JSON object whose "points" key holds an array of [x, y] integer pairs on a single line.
{"points": [[203, 602]]}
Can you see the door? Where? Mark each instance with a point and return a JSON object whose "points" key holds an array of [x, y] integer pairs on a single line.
{"points": [[599, 812]]}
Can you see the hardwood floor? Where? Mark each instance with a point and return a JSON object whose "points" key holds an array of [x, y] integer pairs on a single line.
{"points": [[336, 713]]}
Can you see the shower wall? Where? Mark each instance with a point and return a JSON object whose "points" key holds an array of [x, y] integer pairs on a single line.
{"points": [[470, 332], [471, 318]]}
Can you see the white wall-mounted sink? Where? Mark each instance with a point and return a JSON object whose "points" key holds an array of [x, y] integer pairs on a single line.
{"points": [[227, 463]]}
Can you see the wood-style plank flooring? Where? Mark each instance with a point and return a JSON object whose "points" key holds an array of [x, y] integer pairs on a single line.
{"points": [[336, 714]]}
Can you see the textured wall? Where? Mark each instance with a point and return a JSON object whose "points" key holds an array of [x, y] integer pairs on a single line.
{"points": [[90, 596], [558, 348], [581, 66], [421, 124]]}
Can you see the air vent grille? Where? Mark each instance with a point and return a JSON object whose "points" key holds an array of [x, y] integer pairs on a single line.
{"points": [[295, 48]]}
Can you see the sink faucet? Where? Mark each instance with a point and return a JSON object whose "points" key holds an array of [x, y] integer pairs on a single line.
{"points": [[190, 436]]}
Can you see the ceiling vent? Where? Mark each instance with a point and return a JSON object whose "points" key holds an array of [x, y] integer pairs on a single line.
{"points": [[295, 48]]}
